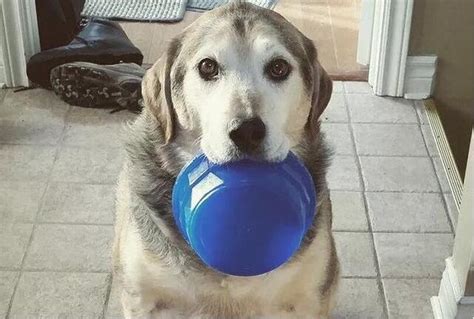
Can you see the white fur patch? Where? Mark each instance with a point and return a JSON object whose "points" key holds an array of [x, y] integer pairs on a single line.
{"points": [[242, 79]]}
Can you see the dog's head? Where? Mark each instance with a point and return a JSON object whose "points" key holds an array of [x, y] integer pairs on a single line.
{"points": [[242, 81]]}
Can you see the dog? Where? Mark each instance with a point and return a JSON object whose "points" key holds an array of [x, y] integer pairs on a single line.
{"points": [[240, 82]]}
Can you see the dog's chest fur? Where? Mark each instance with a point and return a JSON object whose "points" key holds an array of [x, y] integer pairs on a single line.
{"points": [[153, 261], [196, 293]]}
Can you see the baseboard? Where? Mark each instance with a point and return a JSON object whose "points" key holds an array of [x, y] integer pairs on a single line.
{"points": [[360, 76], [467, 300], [444, 150], [419, 77], [445, 305]]}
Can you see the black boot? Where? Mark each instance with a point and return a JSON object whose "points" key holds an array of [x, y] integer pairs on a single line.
{"points": [[101, 42], [92, 85]]}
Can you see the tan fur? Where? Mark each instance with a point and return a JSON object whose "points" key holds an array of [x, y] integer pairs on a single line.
{"points": [[166, 286], [273, 295]]}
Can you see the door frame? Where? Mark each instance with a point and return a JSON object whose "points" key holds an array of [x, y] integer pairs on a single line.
{"points": [[19, 37], [384, 34], [458, 273]]}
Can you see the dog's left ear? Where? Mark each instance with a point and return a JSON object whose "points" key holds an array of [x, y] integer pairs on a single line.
{"points": [[322, 85], [156, 91]]}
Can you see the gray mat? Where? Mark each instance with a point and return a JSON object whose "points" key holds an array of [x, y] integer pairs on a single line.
{"points": [[143, 10], [211, 4]]}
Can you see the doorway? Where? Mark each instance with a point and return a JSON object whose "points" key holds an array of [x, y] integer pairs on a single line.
{"points": [[332, 25]]}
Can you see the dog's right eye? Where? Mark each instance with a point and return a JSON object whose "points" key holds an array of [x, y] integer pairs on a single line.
{"points": [[208, 69]]}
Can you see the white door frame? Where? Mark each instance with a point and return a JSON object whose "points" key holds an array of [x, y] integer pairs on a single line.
{"points": [[461, 263], [384, 35], [19, 39]]}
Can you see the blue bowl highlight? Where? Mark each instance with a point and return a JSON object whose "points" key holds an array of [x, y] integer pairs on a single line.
{"points": [[244, 218]]}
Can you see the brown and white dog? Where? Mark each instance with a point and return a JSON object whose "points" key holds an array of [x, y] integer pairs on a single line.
{"points": [[239, 82]]}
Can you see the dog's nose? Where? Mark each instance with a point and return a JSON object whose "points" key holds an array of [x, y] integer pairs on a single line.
{"points": [[248, 135]]}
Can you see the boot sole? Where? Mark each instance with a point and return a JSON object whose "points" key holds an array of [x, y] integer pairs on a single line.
{"points": [[89, 87]]}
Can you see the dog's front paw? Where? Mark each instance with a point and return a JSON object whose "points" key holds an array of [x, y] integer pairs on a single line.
{"points": [[135, 306]]}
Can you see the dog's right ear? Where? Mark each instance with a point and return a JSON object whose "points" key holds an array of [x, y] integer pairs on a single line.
{"points": [[156, 91], [322, 85]]}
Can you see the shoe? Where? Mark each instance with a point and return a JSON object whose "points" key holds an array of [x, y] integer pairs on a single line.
{"points": [[101, 41], [92, 85]]}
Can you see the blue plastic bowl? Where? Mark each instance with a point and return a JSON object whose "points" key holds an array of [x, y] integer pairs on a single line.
{"points": [[244, 218]]}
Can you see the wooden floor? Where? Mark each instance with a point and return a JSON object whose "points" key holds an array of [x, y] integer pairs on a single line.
{"points": [[331, 24]]}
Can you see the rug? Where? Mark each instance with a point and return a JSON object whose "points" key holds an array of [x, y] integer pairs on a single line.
{"points": [[211, 4], [141, 10]]}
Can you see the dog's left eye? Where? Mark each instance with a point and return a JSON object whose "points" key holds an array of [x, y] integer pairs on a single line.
{"points": [[208, 69], [278, 69]]}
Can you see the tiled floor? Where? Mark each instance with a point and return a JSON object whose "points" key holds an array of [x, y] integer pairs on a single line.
{"points": [[332, 24], [58, 166]]}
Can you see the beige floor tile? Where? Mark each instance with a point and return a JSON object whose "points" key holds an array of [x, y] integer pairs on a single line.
{"points": [[339, 137], [356, 254], [70, 248], [26, 162], [114, 307], [412, 255], [343, 174], [359, 299], [398, 174], [14, 239], [20, 201], [348, 211], [410, 298], [336, 110], [96, 127], [403, 212], [7, 284], [78, 203], [88, 165], [60, 295]]}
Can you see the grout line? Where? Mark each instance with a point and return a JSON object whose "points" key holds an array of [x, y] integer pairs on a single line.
{"points": [[88, 147], [385, 123], [111, 276], [84, 183], [40, 207], [39, 144], [73, 223], [394, 156], [386, 191], [425, 143], [358, 277], [368, 122], [365, 93], [107, 296], [369, 223], [384, 156], [392, 231], [393, 277], [75, 271]]}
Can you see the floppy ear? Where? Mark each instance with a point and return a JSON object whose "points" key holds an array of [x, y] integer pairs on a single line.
{"points": [[322, 86], [156, 91]]}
